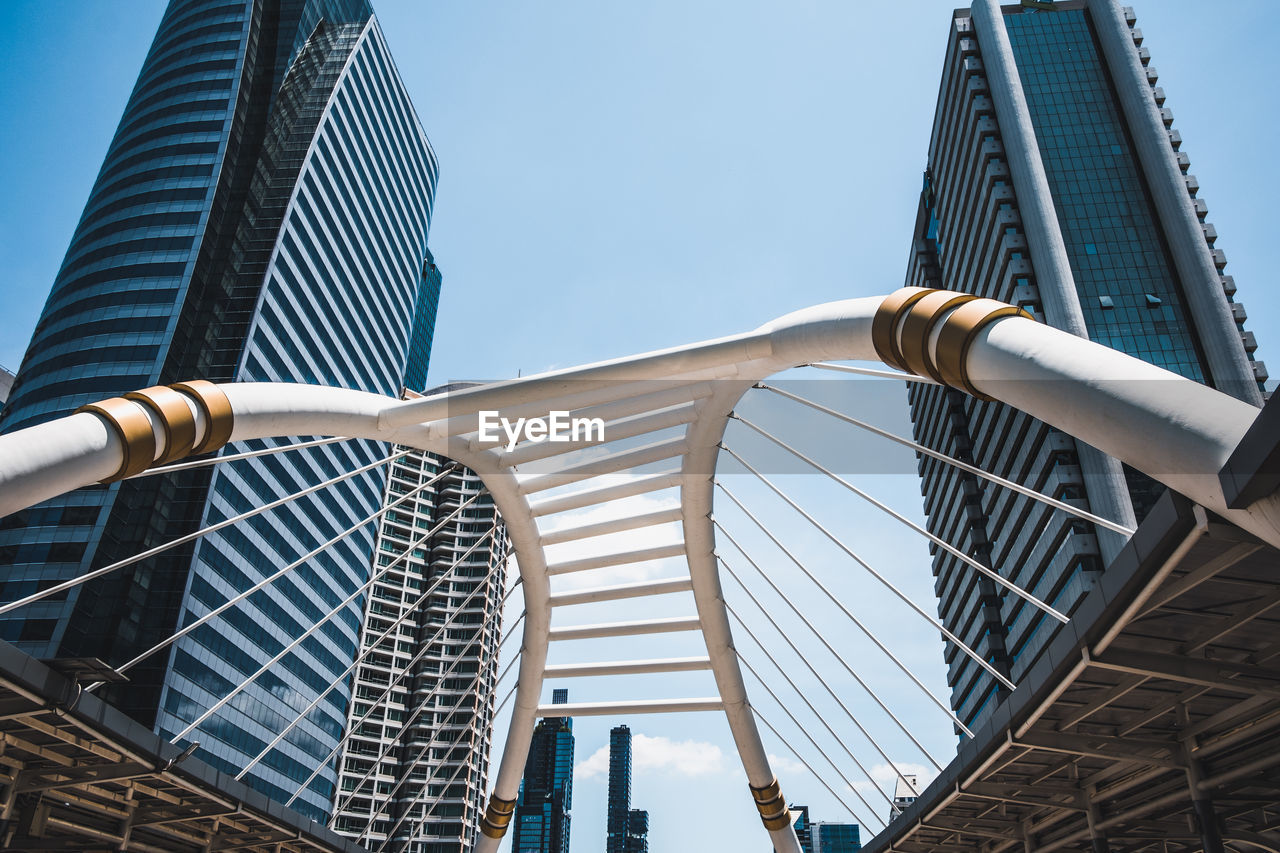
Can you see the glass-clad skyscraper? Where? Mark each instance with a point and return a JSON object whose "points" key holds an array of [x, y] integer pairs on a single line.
{"points": [[261, 214], [541, 818], [627, 829], [1056, 182]]}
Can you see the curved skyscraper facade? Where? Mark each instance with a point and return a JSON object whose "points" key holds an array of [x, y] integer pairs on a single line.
{"points": [[261, 214], [1057, 182]]}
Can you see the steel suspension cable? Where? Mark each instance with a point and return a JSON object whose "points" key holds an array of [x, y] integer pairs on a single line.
{"points": [[901, 726], [871, 371], [870, 635], [951, 460], [386, 692], [235, 457], [812, 740], [426, 702], [941, 543], [917, 609], [370, 647], [421, 705], [809, 766], [267, 581], [809, 704], [426, 782], [342, 605], [450, 746], [182, 540]]}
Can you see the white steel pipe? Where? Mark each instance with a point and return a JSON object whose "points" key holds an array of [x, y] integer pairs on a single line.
{"points": [[630, 667], [624, 629], [597, 594], [593, 497], [650, 706], [616, 525], [643, 555]]}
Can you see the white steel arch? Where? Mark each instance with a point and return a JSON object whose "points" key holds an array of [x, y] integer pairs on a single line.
{"points": [[1175, 430]]}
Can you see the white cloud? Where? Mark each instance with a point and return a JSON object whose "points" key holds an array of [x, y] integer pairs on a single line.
{"points": [[782, 764], [887, 778], [659, 755]]}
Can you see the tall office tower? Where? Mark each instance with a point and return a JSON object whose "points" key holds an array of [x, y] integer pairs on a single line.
{"points": [[637, 831], [261, 214], [1055, 182], [830, 837], [800, 823], [627, 828], [415, 762], [6, 383], [619, 802], [905, 792], [541, 818]]}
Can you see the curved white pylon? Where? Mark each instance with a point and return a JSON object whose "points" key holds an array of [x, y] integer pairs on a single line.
{"points": [[1177, 431]]}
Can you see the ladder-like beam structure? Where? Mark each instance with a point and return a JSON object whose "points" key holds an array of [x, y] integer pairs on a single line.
{"points": [[668, 406]]}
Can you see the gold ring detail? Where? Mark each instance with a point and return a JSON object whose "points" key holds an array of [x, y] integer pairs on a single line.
{"points": [[129, 421], [219, 419], [884, 326], [957, 335], [773, 810], [175, 416], [917, 328], [497, 816]]}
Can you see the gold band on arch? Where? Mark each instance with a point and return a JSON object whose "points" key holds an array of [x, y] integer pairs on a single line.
{"points": [[929, 332]]}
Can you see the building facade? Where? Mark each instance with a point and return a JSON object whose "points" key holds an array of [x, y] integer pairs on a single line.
{"points": [[905, 792], [1055, 182], [627, 829], [541, 818], [830, 837], [415, 762], [261, 215]]}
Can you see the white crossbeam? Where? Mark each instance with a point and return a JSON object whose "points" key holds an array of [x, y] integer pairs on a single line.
{"points": [[617, 525], [643, 555], [594, 497], [624, 629], [595, 595], [651, 706], [630, 667]]}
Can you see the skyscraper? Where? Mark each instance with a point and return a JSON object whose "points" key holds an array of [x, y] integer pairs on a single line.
{"points": [[627, 828], [831, 837], [1055, 182], [420, 724], [541, 818], [261, 214], [905, 792]]}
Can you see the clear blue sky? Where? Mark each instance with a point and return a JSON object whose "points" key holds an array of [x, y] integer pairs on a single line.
{"points": [[621, 177]]}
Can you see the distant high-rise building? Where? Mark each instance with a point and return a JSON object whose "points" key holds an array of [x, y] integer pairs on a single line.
{"points": [[6, 382], [627, 828], [831, 837], [261, 215], [905, 792], [541, 819], [800, 823], [637, 831], [619, 802], [1055, 182], [415, 761]]}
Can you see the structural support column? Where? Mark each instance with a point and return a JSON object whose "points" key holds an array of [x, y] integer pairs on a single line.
{"points": [[1201, 803], [1103, 476], [1229, 367]]}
